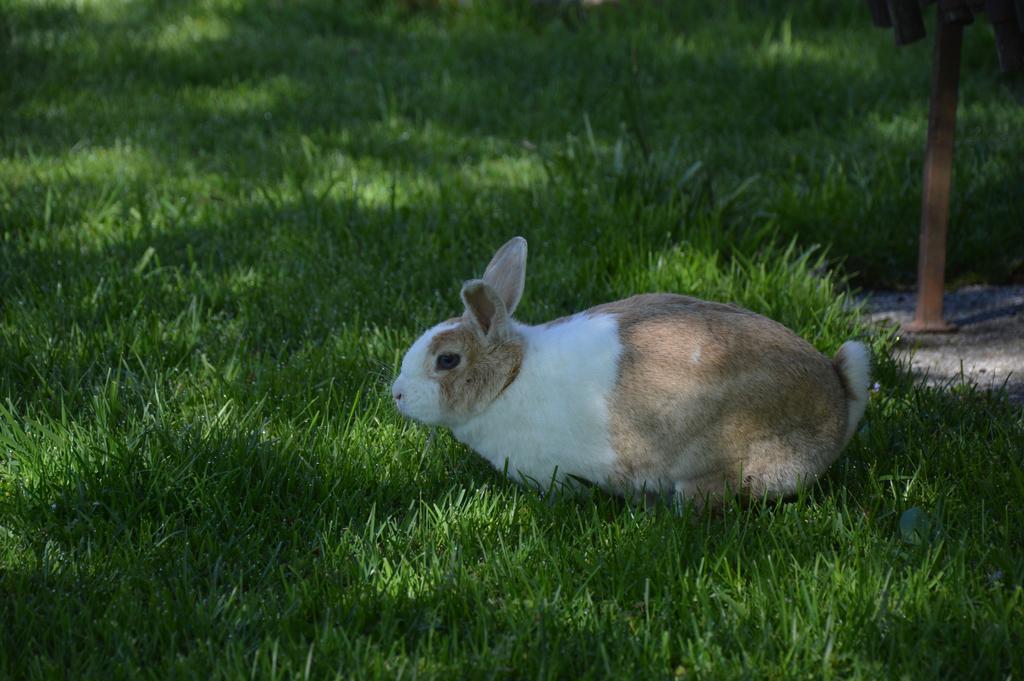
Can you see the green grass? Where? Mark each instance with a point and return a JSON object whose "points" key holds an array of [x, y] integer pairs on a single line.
{"points": [[221, 223]]}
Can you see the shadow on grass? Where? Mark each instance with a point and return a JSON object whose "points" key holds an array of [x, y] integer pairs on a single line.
{"points": [[258, 68], [209, 99], [330, 555]]}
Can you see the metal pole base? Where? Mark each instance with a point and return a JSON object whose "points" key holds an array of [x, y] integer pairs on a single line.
{"points": [[929, 326]]}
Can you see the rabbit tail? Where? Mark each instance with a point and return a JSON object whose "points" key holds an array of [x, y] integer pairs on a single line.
{"points": [[853, 364]]}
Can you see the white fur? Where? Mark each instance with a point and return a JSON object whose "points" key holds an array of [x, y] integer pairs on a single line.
{"points": [[857, 372], [552, 421], [420, 396]]}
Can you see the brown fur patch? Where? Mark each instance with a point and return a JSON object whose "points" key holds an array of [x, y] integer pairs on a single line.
{"points": [[712, 396], [484, 372]]}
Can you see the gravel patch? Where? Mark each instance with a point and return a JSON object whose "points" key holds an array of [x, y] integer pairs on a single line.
{"points": [[987, 348]]}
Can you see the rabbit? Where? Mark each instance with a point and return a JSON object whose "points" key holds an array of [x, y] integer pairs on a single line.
{"points": [[654, 396]]}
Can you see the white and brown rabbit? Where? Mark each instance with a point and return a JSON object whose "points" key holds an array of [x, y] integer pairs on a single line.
{"points": [[654, 394]]}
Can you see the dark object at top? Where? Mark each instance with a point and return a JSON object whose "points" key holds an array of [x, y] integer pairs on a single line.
{"points": [[1006, 17]]}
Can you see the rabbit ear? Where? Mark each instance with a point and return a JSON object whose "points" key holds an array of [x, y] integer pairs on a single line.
{"points": [[485, 309], [506, 272]]}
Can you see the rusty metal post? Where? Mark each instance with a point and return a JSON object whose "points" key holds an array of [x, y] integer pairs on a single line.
{"points": [[938, 172]]}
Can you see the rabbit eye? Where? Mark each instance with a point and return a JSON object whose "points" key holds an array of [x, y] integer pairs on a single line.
{"points": [[447, 361]]}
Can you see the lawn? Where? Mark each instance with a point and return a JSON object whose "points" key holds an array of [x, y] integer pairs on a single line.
{"points": [[222, 222]]}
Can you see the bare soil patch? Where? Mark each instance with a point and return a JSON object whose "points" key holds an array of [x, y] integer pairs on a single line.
{"points": [[987, 349]]}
